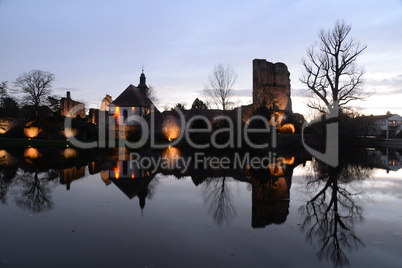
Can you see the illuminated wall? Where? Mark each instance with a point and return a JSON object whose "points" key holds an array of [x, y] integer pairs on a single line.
{"points": [[271, 84]]}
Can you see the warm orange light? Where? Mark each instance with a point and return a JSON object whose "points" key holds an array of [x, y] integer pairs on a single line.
{"points": [[4, 128], [70, 132], [5, 158], [3, 154], [116, 173], [69, 153], [132, 176], [276, 169], [132, 109], [105, 176], [287, 128], [32, 132], [287, 160], [171, 129], [32, 153], [117, 111], [171, 154]]}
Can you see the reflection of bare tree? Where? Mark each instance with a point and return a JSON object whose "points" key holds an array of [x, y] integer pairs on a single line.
{"points": [[217, 194], [35, 190], [331, 214]]}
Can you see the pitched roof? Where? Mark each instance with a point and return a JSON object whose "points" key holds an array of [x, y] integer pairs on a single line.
{"points": [[380, 117], [131, 96]]}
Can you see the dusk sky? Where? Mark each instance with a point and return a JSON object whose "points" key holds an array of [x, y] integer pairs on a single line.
{"points": [[98, 47]]}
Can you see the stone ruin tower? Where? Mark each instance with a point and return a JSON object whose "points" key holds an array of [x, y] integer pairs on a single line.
{"points": [[271, 83]]}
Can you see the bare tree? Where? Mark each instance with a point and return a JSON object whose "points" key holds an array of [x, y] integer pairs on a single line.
{"points": [[151, 94], [330, 70], [3, 92], [36, 85], [220, 84]]}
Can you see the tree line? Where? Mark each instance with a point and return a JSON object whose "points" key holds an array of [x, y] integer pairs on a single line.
{"points": [[31, 95]]}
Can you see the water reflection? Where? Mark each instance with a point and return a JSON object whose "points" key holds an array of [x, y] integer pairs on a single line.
{"points": [[330, 216], [333, 211], [68, 175], [217, 195], [34, 190], [271, 192], [385, 158]]}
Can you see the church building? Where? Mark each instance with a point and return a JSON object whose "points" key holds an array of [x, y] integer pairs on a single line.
{"points": [[133, 101]]}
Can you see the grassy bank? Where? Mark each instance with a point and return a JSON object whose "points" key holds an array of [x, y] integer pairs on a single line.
{"points": [[14, 142]]}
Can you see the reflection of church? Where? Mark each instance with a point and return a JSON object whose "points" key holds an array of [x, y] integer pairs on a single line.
{"points": [[270, 186], [130, 179]]}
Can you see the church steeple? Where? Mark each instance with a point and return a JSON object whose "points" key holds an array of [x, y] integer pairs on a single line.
{"points": [[142, 83]]}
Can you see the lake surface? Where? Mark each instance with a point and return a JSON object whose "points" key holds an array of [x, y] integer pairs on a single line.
{"points": [[66, 208]]}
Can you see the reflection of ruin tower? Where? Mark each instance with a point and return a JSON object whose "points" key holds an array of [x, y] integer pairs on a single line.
{"points": [[271, 84]]}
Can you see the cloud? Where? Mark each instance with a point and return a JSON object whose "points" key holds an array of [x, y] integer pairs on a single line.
{"points": [[242, 92], [67, 89], [386, 86]]}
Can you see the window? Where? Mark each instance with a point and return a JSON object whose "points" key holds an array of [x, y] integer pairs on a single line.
{"points": [[125, 115]]}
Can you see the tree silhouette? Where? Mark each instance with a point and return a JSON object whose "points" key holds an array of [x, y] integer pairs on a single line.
{"points": [[35, 190], [331, 214], [198, 105], [36, 86], [220, 84], [217, 194], [330, 71]]}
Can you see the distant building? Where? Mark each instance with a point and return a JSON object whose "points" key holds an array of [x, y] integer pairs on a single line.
{"points": [[132, 101], [382, 126], [67, 104], [107, 100], [97, 115]]}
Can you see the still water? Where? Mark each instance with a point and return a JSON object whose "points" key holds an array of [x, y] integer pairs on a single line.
{"points": [[64, 208]]}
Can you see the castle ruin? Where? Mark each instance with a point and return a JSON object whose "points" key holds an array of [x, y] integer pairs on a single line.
{"points": [[271, 84]]}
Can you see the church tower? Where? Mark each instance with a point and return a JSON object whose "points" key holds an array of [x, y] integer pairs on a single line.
{"points": [[143, 85]]}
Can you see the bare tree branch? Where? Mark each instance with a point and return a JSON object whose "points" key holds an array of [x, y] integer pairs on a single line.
{"points": [[36, 86], [220, 84], [330, 70]]}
